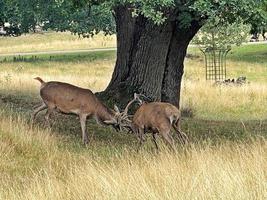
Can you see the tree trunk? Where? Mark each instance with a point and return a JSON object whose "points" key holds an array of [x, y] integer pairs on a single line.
{"points": [[174, 69], [149, 58]]}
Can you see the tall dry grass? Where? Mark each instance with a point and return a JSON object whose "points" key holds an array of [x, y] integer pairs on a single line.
{"points": [[19, 76], [54, 41], [225, 102], [35, 166]]}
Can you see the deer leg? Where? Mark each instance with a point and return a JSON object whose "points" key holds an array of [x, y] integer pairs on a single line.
{"points": [[38, 109], [154, 140], [50, 109], [83, 126], [38, 105], [168, 139], [183, 138], [47, 117], [141, 138]]}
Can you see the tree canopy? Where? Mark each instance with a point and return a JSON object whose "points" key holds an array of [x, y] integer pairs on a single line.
{"points": [[258, 24], [87, 17]]}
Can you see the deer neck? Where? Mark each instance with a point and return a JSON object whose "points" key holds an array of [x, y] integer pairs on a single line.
{"points": [[104, 113]]}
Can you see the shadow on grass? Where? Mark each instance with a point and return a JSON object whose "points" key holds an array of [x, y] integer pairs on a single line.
{"points": [[68, 126]]}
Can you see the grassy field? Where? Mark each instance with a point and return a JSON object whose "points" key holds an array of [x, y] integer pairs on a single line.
{"points": [[54, 41], [226, 157]]}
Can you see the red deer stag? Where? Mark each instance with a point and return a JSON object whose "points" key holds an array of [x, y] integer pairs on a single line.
{"points": [[155, 117], [70, 99]]}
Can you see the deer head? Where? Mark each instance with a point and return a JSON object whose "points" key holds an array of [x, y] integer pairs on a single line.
{"points": [[118, 120], [122, 120]]}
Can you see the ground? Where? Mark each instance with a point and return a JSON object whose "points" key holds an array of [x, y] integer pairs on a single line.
{"points": [[227, 127]]}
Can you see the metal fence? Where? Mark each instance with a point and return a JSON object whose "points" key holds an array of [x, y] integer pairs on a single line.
{"points": [[215, 61]]}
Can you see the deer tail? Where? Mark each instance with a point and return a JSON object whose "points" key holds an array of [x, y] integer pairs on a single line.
{"points": [[40, 80]]}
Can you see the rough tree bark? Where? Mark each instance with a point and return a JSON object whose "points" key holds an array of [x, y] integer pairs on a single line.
{"points": [[149, 58]]}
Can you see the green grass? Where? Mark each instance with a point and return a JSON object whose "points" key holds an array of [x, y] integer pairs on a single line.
{"points": [[246, 53], [254, 53], [64, 58]]}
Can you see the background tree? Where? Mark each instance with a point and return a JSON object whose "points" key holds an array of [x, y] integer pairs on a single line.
{"points": [[259, 22], [152, 36], [19, 16], [215, 41], [221, 36]]}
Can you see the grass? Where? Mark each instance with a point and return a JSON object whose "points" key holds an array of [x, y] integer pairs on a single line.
{"points": [[226, 157], [246, 54], [53, 41], [250, 53], [36, 164], [94, 70]]}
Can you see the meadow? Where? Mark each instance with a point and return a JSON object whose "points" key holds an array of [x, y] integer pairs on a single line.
{"points": [[49, 41], [227, 126]]}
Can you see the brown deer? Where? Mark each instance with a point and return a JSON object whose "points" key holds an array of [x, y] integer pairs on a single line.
{"points": [[70, 99], [155, 117]]}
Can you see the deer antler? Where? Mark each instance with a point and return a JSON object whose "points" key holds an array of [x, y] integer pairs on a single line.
{"points": [[124, 120], [136, 98], [123, 117]]}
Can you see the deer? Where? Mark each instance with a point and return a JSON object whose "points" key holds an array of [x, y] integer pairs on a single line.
{"points": [[69, 99], [157, 118]]}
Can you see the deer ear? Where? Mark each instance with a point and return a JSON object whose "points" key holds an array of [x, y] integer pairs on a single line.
{"points": [[112, 121], [116, 109]]}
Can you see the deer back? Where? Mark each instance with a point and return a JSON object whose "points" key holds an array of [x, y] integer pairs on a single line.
{"points": [[72, 99], [155, 114]]}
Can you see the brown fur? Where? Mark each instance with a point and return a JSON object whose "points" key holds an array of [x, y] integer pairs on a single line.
{"points": [[157, 117], [68, 98], [39, 79]]}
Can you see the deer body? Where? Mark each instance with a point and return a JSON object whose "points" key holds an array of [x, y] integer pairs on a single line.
{"points": [[157, 117], [71, 99], [67, 98]]}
